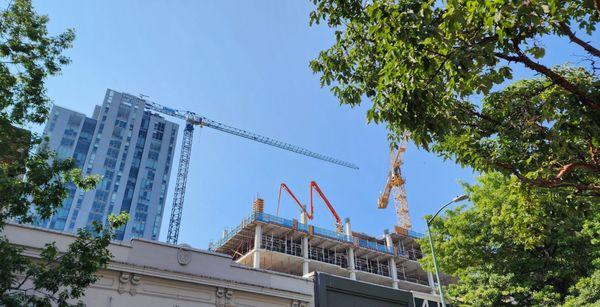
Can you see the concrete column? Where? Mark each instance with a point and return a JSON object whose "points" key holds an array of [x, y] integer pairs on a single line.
{"points": [[431, 282], [257, 241], [348, 230], [305, 255], [303, 218], [351, 263], [350, 251], [392, 262]]}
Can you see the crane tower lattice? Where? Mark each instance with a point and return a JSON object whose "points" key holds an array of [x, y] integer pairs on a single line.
{"points": [[395, 184]]}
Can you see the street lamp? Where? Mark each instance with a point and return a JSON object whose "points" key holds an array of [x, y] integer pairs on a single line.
{"points": [[437, 273]]}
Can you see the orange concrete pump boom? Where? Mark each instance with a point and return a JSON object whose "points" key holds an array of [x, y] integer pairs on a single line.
{"points": [[312, 186], [315, 186], [284, 186]]}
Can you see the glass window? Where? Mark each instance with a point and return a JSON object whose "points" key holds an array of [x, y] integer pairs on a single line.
{"points": [[153, 155], [109, 174], [75, 120], [118, 132], [63, 152], [140, 216], [123, 111], [120, 123], [98, 207], [115, 144], [157, 135], [142, 207], [113, 153], [159, 126], [94, 217], [67, 142], [155, 146], [110, 163], [106, 183], [101, 195], [151, 164], [72, 132]]}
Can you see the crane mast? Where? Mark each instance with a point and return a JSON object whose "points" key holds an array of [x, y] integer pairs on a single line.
{"points": [[192, 119], [395, 184], [180, 183]]}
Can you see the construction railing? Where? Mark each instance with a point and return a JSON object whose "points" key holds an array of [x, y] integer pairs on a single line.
{"points": [[415, 234], [318, 231], [331, 234], [375, 246], [372, 266], [414, 254], [328, 256], [232, 232], [285, 245]]}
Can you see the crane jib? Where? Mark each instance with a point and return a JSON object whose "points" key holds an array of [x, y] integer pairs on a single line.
{"points": [[191, 119], [275, 143]]}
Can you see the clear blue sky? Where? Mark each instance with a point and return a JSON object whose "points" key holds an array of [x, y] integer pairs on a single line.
{"points": [[244, 63]]}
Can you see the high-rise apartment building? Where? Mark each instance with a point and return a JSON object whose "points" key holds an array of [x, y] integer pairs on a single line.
{"points": [[131, 148]]}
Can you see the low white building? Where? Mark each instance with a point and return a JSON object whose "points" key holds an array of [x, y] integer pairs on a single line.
{"points": [[149, 273]]}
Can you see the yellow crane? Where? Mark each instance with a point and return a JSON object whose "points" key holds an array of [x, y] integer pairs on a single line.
{"points": [[395, 184]]}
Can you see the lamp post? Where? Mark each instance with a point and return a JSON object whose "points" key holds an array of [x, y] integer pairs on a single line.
{"points": [[437, 273]]}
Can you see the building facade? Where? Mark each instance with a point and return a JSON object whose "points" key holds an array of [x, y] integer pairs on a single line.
{"points": [[150, 273], [131, 148]]}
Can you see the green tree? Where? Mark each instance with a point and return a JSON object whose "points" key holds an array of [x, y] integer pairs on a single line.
{"points": [[442, 71], [518, 244], [420, 63], [32, 182]]}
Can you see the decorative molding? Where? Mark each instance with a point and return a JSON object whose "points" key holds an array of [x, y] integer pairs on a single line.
{"points": [[211, 281], [123, 281], [229, 294], [184, 255], [135, 281], [224, 297], [297, 303], [130, 280]]}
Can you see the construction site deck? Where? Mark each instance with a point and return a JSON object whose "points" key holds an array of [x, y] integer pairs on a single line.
{"points": [[295, 247]]}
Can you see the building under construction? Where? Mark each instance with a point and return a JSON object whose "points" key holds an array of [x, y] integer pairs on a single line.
{"points": [[295, 247], [270, 242]]}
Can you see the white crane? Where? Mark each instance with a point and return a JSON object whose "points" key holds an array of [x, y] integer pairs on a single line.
{"points": [[192, 119]]}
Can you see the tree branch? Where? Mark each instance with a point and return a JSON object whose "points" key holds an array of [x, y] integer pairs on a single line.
{"points": [[24, 280], [552, 183], [571, 166], [550, 74], [589, 48]]}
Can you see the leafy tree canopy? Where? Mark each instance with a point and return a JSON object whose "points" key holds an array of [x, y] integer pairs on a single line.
{"points": [[32, 182], [421, 63], [441, 71], [519, 245]]}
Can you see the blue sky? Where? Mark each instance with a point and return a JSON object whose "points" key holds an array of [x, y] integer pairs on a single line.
{"points": [[244, 63]]}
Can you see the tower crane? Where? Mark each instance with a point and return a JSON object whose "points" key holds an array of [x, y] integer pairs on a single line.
{"points": [[395, 183], [192, 119], [312, 186]]}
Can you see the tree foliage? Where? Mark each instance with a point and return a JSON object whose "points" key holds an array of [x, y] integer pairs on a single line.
{"points": [[421, 63], [518, 244], [441, 70], [32, 182]]}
